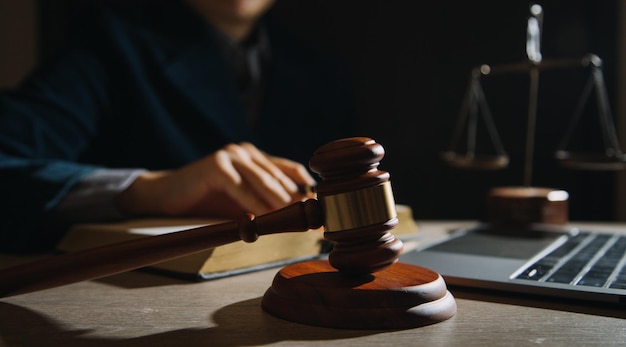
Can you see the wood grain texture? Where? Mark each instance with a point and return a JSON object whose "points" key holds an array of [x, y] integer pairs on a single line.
{"points": [[141, 309], [400, 296]]}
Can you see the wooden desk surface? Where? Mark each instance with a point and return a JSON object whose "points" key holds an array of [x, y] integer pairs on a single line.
{"points": [[142, 309]]}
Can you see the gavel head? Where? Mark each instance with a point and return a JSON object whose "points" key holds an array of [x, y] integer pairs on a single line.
{"points": [[358, 204]]}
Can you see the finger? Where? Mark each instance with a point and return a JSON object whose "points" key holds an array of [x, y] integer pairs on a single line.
{"points": [[257, 179], [236, 186], [294, 170], [263, 160]]}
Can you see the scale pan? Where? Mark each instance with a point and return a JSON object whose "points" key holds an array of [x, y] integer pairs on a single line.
{"points": [[591, 161], [475, 162]]}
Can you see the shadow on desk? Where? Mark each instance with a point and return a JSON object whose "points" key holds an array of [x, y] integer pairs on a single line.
{"points": [[536, 301], [239, 324]]}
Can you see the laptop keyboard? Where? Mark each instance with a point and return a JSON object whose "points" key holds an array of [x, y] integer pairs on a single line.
{"points": [[587, 259]]}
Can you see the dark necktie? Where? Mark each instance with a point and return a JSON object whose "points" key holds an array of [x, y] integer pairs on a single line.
{"points": [[249, 61]]}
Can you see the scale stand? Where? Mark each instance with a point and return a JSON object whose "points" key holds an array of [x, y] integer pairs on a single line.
{"points": [[475, 104]]}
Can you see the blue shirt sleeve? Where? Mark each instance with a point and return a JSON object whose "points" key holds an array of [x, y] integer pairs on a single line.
{"points": [[92, 199], [45, 126]]}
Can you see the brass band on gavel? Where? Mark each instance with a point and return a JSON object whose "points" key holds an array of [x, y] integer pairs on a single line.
{"points": [[355, 209]]}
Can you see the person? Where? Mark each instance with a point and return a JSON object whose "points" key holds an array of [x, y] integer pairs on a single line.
{"points": [[166, 108]]}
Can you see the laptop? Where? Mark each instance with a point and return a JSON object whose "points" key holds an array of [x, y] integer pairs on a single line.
{"points": [[572, 263]]}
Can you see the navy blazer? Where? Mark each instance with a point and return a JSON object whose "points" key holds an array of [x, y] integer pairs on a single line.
{"points": [[146, 87]]}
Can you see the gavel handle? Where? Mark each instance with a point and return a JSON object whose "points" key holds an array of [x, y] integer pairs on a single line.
{"points": [[130, 255]]}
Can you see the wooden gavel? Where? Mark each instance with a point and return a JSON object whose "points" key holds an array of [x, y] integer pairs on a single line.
{"points": [[354, 203]]}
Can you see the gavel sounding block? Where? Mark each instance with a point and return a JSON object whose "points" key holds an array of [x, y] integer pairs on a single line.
{"points": [[398, 297]]}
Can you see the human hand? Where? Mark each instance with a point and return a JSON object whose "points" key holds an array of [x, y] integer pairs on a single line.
{"points": [[236, 179]]}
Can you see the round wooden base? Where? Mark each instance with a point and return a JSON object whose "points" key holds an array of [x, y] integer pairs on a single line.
{"points": [[399, 297]]}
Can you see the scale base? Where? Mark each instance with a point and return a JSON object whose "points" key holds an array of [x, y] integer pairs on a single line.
{"points": [[399, 297], [525, 205]]}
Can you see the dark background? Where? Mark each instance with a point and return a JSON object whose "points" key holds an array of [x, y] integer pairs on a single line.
{"points": [[410, 62]]}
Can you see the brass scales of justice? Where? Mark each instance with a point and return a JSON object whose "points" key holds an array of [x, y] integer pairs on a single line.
{"points": [[513, 204]]}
